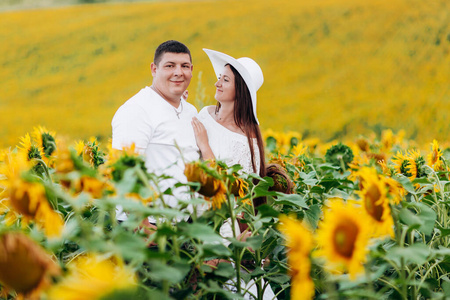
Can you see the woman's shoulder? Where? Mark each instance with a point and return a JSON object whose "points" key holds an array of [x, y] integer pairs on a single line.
{"points": [[207, 112], [207, 109]]}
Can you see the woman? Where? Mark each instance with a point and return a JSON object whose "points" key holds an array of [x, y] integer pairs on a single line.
{"points": [[230, 130]]}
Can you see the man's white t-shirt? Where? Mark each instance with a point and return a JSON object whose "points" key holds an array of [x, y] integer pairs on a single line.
{"points": [[166, 141]]}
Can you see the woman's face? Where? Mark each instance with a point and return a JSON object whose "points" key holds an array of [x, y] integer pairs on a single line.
{"points": [[225, 90]]}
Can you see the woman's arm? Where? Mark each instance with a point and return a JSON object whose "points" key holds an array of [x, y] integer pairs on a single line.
{"points": [[201, 136]]}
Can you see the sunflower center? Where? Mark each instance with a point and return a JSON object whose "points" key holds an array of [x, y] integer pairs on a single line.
{"points": [[345, 238], [21, 199], [372, 198]]}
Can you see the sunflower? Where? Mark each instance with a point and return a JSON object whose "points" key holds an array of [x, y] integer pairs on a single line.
{"points": [[45, 139], [302, 288], [416, 162], [28, 197], [343, 237], [396, 191], [30, 200], [24, 266], [363, 144], [93, 277], [387, 139], [64, 162], [92, 154], [434, 158], [211, 186], [279, 160], [239, 187], [299, 149], [374, 194], [32, 152], [79, 147], [387, 170], [401, 165], [357, 163], [299, 241], [302, 162], [91, 185], [30, 149]]}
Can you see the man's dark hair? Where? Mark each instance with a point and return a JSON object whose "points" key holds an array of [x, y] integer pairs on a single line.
{"points": [[170, 46]]}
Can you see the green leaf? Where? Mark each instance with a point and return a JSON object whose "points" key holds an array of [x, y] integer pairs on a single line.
{"points": [[427, 215], [162, 271], [130, 245], [127, 183], [291, 199], [444, 231], [406, 183], [216, 249], [312, 215], [255, 242], [267, 211], [318, 190], [225, 269], [200, 231], [410, 219], [446, 288], [279, 278], [416, 253], [257, 272]]}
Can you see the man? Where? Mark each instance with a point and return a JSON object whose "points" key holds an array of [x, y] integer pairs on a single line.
{"points": [[157, 120]]}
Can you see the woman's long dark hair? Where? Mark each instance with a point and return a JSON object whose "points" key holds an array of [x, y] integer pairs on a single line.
{"points": [[246, 121]]}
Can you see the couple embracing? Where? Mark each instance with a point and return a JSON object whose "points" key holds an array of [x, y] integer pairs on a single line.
{"points": [[168, 131]]}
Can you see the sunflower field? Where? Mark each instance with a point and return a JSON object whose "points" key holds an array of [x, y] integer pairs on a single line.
{"points": [[331, 68], [364, 219]]}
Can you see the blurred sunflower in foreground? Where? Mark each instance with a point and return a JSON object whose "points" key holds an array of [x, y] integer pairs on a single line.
{"points": [[211, 185], [299, 241], [93, 277], [342, 237], [375, 196], [25, 194], [24, 266]]}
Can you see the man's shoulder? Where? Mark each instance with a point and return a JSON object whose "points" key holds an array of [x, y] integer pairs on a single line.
{"points": [[141, 98], [189, 106]]}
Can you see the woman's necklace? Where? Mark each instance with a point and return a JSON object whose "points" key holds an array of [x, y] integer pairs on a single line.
{"points": [[175, 109]]}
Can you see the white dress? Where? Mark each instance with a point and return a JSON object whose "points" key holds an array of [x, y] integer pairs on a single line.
{"points": [[228, 146], [232, 148]]}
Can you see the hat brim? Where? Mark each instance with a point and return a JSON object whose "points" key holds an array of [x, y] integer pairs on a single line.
{"points": [[219, 60]]}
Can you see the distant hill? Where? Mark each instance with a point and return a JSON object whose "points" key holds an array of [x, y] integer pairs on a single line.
{"points": [[332, 68]]}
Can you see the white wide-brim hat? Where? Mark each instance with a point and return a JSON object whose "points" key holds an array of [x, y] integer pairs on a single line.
{"points": [[247, 68]]}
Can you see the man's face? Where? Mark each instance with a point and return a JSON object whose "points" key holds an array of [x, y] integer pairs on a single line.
{"points": [[172, 75]]}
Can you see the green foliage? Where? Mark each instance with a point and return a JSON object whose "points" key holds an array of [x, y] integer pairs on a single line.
{"points": [[339, 155]]}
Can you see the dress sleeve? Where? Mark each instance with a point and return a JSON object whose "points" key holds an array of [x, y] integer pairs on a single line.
{"points": [[131, 125]]}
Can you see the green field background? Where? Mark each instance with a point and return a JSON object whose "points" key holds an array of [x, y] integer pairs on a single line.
{"points": [[333, 69]]}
